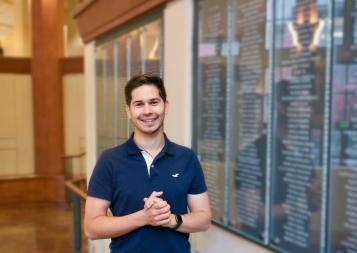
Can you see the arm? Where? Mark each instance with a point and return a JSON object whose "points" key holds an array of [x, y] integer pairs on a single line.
{"points": [[199, 218], [97, 225]]}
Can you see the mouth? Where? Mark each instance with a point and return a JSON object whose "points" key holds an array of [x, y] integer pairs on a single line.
{"points": [[149, 121]]}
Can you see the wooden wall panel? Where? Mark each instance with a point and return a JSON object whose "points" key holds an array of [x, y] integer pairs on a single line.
{"points": [[15, 65], [32, 189], [47, 49], [71, 65], [97, 17]]}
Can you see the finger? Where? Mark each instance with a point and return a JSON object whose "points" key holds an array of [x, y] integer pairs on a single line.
{"points": [[154, 201], [158, 203], [162, 206], [164, 222], [163, 216], [153, 212], [148, 203], [156, 194], [154, 197], [162, 211]]}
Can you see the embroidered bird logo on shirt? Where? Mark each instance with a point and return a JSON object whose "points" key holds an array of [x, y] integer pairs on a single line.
{"points": [[175, 175]]}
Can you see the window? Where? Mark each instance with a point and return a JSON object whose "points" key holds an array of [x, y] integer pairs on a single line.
{"points": [[128, 52]]}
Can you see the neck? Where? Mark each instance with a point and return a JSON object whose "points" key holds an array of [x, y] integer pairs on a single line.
{"points": [[151, 143]]}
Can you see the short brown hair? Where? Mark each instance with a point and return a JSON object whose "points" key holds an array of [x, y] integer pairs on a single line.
{"points": [[144, 79]]}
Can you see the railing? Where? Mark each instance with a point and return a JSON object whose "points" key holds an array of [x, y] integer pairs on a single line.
{"points": [[77, 188], [74, 165]]}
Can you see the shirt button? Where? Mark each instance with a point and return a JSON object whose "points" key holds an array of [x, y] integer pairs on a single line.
{"points": [[152, 166]]}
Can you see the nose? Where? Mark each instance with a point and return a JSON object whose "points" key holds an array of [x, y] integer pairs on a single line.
{"points": [[147, 109]]}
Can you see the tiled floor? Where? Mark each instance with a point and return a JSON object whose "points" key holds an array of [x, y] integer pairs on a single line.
{"points": [[40, 228]]}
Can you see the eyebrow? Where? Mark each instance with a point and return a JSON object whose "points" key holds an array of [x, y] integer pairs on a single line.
{"points": [[149, 100]]}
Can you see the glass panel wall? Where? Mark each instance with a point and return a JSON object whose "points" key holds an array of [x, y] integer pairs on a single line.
{"points": [[249, 117], [343, 175], [299, 109], [211, 87], [230, 132], [121, 69], [130, 52], [275, 128]]}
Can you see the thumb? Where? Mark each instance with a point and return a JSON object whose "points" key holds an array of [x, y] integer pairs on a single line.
{"points": [[148, 203]]}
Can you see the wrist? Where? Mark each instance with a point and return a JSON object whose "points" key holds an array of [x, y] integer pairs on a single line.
{"points": [[177, 221], [172, 221], [142, 218]]}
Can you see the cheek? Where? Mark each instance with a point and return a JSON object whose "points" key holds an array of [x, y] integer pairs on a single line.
{"points": [[128, 113], [134, 113]]}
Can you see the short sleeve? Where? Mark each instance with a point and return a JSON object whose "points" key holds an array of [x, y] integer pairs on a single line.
{"points": [[101, 183], [198, 184]]}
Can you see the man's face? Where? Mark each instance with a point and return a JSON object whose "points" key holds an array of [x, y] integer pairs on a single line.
{"points": [[147, 109]]}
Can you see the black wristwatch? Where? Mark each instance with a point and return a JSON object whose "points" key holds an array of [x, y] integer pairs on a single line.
{"points": [[178, 219]]}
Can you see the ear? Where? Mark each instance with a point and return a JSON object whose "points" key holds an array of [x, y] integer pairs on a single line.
{"points": [[127, 109], [167, 107]]}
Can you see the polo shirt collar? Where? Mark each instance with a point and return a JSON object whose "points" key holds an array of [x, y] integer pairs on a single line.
{"points": [[133, 149]]}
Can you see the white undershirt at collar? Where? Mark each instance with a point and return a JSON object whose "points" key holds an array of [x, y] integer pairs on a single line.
{"points": [[148, 159]]}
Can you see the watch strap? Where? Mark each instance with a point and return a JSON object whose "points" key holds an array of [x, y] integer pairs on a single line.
{"points": [[178, 219]]}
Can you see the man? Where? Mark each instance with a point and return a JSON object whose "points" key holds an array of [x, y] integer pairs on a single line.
{"points": [[148, 182]]}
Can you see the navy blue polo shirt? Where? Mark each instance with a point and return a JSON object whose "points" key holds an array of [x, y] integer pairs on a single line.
{"points": [[121, 177]]}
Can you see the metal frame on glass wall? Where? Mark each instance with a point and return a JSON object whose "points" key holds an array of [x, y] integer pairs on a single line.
{"points": [[270, 126]]}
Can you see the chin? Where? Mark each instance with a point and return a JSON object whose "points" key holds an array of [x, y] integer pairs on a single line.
{"points": [[149, 131], [153, 131]]}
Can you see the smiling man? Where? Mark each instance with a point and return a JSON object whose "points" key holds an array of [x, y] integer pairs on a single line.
{"points": [[154, 188]]}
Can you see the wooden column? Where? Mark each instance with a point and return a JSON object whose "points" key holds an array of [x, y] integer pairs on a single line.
{"points": [[47, 49]]}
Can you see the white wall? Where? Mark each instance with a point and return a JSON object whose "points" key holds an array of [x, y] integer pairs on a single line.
{"points": [[97, 246], [74, 122], [178, 18], [177, 69], [90, 109], [16, 128]]}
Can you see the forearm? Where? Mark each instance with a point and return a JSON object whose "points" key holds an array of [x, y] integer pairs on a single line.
{"points": [[102, 227], [195, 222]]}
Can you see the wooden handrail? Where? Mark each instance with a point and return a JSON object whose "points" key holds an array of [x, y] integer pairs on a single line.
{"points": [[71, 184]]}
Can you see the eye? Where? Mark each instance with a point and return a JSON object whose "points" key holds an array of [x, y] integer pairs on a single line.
{"points": [[154, 102], [138, 104]]}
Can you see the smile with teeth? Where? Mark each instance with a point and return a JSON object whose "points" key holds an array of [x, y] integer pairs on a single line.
{"points": [[148, 121]]}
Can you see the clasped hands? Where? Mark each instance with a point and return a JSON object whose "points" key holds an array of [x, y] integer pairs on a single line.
{"points": [[158, 211]]}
